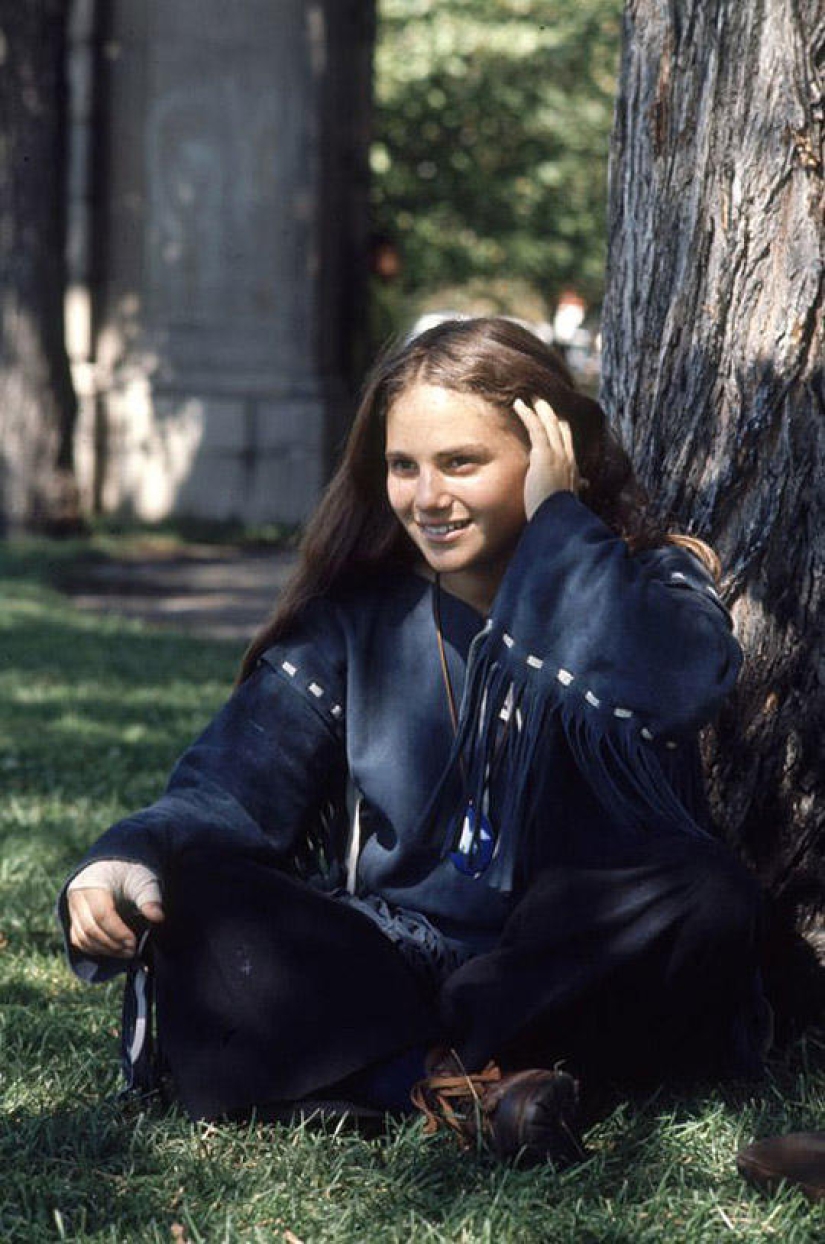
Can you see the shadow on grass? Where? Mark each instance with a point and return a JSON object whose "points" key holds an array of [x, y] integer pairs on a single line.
{"points": [[60, 563], [78, 1171], [110, 1166], [96, 709], [77, 646]]}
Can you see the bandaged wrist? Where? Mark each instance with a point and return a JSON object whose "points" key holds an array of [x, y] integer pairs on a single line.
{"points": [[125, 880]]}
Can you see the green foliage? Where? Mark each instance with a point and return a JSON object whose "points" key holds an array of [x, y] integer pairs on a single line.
{"points": [[92, 713], [492, 125]]}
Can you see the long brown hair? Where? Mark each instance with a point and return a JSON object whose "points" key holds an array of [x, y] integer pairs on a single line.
{"points": [[354, 534]]}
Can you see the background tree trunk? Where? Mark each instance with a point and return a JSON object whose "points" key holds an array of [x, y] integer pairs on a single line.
{"points": [[37, 402], [343, 346], [713, 368]]}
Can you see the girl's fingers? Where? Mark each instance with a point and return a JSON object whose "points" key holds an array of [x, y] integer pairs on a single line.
{"points": [[542, 418], [153, 912], [567, 437], [552, 455], [546, 413], [91, 944], [559, 433], [96, 928], [531, 421]]}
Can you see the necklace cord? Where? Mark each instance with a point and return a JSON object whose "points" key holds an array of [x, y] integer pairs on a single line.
{"points": [[445, 671], [498, 750]]}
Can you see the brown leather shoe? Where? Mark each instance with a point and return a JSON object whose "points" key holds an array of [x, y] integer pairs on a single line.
{"points": [[526, 1115], [797, 1158]]}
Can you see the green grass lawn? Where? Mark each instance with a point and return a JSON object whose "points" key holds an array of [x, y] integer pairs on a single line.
{"points": [[92, 713]]}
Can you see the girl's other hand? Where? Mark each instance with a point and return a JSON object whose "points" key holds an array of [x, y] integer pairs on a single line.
{"points": [[553, 465], [96, 898]]}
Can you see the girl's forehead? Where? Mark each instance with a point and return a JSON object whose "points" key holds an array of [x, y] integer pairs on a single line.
{"points": [[426, 412]]}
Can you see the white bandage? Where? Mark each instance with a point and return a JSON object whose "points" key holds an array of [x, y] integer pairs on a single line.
{"points": [[126, 882]]}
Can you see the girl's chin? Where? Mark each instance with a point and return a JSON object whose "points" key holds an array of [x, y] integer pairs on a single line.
{"points": [[447, 559], [470, 563]]}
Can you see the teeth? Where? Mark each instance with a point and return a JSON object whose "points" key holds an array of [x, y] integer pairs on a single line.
{"points": [[441, 529]]}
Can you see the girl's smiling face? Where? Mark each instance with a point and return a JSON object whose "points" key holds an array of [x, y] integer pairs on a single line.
{"points": [[455, 481]]}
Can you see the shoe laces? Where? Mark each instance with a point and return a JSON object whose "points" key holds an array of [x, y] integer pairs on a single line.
{"points": [[436, 1094]]}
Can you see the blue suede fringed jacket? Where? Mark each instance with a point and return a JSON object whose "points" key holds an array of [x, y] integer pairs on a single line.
{"points": [[581, 696]]}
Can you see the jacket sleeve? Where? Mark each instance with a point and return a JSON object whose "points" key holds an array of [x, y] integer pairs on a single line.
{"points": [[258, 778], [627, 654], [644, 634]]}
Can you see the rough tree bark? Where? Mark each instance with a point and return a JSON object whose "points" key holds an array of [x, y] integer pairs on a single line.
{"points": [[37, 402], [713, 367]]}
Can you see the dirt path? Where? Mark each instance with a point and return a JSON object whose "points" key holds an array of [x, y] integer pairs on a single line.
{"points": [[208, 591]]}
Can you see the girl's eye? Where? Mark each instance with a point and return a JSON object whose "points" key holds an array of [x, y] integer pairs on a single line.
{"points": [[460, 463], [400, 466]]}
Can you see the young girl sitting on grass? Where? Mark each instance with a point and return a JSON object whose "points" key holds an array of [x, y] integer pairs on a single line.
{"points": [[449, 831]]}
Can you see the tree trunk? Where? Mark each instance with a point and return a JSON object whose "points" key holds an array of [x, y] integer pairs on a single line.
{"points": [[714, 340], [346, 108], [37, 402]]}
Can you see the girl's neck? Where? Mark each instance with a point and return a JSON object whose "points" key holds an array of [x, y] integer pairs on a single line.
{"points": [[477, 591]]}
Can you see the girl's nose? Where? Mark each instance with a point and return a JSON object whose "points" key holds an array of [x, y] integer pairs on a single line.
{"points": [[430, 493]]}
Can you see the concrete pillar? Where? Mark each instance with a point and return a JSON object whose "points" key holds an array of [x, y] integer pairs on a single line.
{"points": [[212, 319]]}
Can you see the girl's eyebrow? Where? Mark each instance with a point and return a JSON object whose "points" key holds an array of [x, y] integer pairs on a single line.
{"points": [[473, 447], [456, 451]]}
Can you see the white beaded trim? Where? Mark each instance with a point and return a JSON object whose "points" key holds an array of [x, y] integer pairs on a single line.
{"points": [[506, 711], [677, 577], [565, 677], [314, 688]]}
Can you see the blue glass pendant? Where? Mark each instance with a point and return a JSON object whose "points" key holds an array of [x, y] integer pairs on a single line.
{"points": [[476, 843]]}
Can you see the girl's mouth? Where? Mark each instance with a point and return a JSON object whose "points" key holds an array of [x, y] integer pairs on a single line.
{"points": [[443, 531]]}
